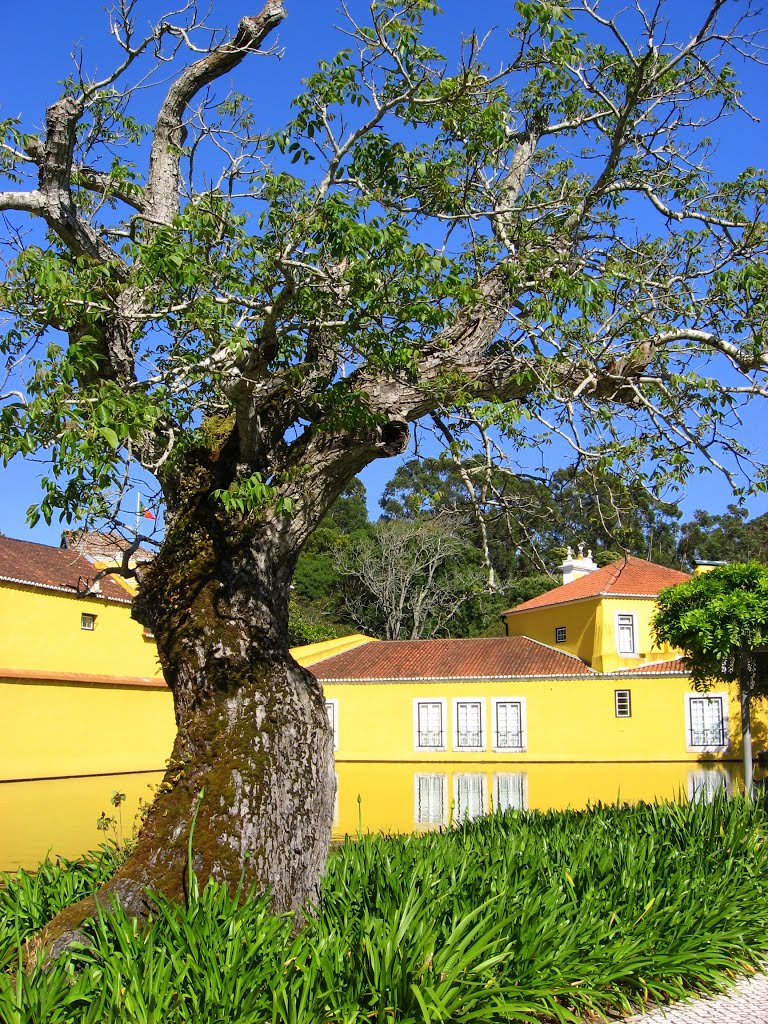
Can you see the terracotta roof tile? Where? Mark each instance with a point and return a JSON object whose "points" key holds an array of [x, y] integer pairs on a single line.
{"points": [[484, 658], [673, 666], [627, 577], [38, 565]]}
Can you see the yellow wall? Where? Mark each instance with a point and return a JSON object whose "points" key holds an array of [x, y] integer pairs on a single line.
{"points": [[591, 630], [310, 654], [579, 618], [51, 731], [567, 720], [77, 702], [41, 632], [648, 649]]}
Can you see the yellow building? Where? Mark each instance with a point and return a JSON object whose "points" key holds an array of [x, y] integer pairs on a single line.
{"points": [[81, 691], [578, 679], [575, 704], [603, 616]]}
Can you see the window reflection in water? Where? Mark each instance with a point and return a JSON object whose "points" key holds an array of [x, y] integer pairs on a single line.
{"points": [[469, 797], [510, 791], [705, 784], [430, 799]]}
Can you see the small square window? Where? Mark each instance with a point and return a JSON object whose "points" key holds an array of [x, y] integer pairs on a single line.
{"points": [[623, 700], [87, 621], [561, 634]]}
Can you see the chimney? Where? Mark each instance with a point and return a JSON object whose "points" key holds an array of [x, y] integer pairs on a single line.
{"points": [[576, 566]]}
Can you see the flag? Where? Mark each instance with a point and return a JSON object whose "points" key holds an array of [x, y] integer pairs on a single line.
{"points": [[144, 511]]}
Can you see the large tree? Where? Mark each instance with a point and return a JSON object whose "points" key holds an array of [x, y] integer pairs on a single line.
{"points": [[544, 239]]}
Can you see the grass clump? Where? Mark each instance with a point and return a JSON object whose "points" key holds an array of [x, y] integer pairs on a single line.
{"points": [[516, 917]]}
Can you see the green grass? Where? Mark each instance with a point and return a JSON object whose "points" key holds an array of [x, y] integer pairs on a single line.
{"points": [[521, 917]]}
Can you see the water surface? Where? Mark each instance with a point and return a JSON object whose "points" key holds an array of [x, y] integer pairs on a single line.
{"points": [[60, 816]]}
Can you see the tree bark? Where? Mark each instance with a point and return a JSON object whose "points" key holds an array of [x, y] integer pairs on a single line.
{"points": [[745, 695], [250, 785]]}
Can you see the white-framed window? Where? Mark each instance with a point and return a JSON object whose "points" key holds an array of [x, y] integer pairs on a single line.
{"points": [[430, 798], [705, 783], [561, 634], [88, 622], [429, 724], [622, 700], [332, 710], [706, 722], [469, 799], [469, 723], [508, 723], [626, 633], [510, 791]]}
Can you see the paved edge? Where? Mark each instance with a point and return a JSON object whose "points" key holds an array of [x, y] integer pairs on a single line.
{"points": [[745, 1003]]}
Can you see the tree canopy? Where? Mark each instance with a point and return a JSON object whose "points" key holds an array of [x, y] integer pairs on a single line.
{"points": [[542, 239], [728, 537], [720, 620]]}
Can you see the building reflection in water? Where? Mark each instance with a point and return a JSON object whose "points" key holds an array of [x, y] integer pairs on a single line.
{"points": [[59, 816]]}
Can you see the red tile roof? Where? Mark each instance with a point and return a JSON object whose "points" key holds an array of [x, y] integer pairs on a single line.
{"points": [[672, 667], [38, 565], [486, 658], [629, 577]]}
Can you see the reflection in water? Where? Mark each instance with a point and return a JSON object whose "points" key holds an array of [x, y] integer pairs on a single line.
{"points": [[469, 796], [60, 815], [510, 791], [705, 784], [430, 799]]}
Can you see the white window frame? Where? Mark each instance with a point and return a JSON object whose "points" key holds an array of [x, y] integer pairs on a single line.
{"points": [[459, 748], [522, 777], [707, 748], [332, 705], [561, 634], [440, 781], [633, 622], [707, 792], [443, 720], [496, 746], [628, 694], [478, 778], [91, 618]]}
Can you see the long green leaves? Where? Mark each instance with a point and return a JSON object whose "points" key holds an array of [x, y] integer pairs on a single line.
{"points": [[521, 917]]}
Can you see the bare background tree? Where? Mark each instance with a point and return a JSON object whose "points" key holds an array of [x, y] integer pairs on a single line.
{"points": [[541, 240], [408, 580]]}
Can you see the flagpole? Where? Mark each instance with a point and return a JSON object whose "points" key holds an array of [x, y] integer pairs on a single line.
{"points": [[138, 510]]}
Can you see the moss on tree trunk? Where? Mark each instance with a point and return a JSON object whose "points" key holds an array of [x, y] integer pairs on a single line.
{"points": [[253, 756]]}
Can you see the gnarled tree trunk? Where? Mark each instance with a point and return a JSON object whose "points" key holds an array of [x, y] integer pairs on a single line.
{"points": [[250, 783]]}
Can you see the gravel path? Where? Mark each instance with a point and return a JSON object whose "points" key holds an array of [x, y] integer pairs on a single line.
{"points": [[747, 1003]]}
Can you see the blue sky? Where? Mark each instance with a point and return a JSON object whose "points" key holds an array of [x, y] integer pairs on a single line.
{"points": [[39, 38]]}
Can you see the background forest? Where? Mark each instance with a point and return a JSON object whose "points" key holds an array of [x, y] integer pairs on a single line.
{"points": [[456, 544]]}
